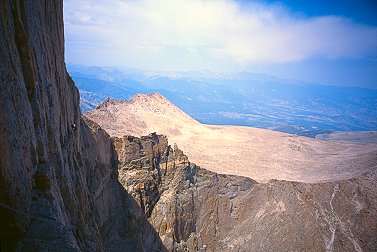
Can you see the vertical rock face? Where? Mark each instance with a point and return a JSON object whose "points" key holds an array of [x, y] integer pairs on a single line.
{"points": [[197, 210], [59, 186]]}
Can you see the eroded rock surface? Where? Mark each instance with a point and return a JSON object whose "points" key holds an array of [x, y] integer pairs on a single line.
{"points": [[59, 188], [197, 210]]}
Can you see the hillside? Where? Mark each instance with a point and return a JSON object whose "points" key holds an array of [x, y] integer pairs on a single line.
{"points": [[256, 153], [358, 137]]}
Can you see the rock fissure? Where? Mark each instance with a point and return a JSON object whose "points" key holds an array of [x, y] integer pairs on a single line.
{"points": [[333, 221]]}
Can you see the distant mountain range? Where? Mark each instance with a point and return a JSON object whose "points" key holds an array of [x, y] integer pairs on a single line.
{"points": [[244, 98]]}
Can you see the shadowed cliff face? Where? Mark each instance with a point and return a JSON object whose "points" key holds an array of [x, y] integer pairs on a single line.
{"points": [[197, 210], [59, 186]]}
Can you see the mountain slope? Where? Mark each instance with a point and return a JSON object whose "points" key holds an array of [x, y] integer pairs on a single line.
{"points": [[256, 153], [359, 137]]}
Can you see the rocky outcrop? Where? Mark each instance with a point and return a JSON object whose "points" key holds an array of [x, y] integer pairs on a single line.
{"points": [[59, 188], [197, 210], [177, 196]]}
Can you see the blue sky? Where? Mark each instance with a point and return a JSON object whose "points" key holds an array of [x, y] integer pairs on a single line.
{"points": [[360, 11], [329, 42]]}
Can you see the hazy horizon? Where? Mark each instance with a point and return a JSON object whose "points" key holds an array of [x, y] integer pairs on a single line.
{"points": [[330, 44], [205, 72]]}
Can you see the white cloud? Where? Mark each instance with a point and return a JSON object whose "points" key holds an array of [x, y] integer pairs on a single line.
{"points": [[198, 34]]}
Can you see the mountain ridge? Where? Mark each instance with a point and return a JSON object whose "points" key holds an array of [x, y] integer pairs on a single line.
{"points": [[226, 149]]}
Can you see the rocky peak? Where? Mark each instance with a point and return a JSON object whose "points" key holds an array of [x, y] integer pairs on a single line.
{"points": [[153, 101], [151, 96], [106, 103]]}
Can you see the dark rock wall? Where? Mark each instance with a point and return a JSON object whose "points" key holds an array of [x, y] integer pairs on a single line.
{"points": [[59, 186]]}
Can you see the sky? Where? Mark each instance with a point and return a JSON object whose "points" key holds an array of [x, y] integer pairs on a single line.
{"points": [[328, 42]]}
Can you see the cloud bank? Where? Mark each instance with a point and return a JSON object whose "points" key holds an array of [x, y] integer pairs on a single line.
{"points": [[215, 35]]}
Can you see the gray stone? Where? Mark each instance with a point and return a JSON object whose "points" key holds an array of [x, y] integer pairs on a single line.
{"points": [[59, 188]]}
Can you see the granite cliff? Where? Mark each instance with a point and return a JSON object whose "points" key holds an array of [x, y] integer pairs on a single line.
{"points": [[59, 188], [65, 185]]}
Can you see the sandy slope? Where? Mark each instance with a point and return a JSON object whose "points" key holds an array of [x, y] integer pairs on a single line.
{"points": [[256, 153], [358, 137]]}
